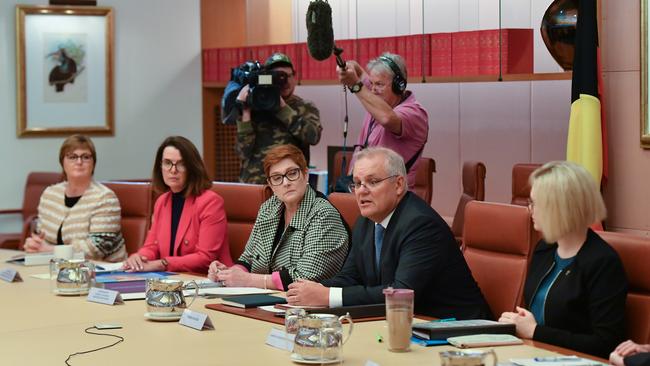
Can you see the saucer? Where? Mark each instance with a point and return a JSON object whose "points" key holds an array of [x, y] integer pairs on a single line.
{"points": [[172, 317], [70, 291], [296, 358]]}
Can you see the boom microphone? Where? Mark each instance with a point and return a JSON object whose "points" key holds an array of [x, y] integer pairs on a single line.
{"points": [[320, 36]]}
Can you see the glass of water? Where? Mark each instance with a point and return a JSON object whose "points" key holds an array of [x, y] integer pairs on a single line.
{"points": [[291, 318]]}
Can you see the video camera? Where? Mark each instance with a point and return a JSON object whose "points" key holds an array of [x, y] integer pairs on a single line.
{"points": [[264, 92]]}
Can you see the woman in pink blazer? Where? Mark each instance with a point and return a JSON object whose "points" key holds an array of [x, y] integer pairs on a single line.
{"points": [[189, 228]]}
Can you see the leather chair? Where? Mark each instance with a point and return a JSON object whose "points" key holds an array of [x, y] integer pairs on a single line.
{"points": [[520, 188], [424, 179], [242, 202], [34, 187], [473, 190], [346, 203], [635, 253], [499, 240], [136, 206]]}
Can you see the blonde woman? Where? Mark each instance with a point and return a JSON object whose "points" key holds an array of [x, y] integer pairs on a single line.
{"points": [[576, 288]]}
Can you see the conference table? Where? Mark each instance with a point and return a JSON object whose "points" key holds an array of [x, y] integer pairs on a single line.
{"points": [[40, 328]]}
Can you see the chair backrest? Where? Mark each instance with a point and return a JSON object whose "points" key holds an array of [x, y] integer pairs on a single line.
{"points": [[635, 253], [473, 190], [136, 207], [520, 187], [346, 203], [242, 202], [499, 239], [34, 187], [338, 160], [424, 179]]}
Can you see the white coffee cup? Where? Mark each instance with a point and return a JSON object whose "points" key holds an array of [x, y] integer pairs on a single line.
{"points": [[63, 251]]}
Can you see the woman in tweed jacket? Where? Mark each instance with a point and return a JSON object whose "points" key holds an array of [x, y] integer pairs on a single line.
{"points": [[298, 234], [79, 211]]}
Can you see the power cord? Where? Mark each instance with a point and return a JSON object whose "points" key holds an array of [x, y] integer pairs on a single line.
{"points": [[87, 330]]}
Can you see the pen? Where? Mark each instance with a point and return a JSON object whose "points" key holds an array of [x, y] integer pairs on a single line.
{"points": [[379, 338], [557, 359]]}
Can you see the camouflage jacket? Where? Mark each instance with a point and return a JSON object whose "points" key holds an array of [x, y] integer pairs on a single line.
{"points": [[297, 123]]}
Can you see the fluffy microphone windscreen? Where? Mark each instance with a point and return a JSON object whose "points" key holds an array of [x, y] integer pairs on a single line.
{"points": [[320, 36]]}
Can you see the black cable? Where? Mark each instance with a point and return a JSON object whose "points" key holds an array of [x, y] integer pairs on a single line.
{"points": [[345, 134], [120, 339]]}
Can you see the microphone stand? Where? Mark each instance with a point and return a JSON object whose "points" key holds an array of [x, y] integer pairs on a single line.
{"points": [[339, 61]]}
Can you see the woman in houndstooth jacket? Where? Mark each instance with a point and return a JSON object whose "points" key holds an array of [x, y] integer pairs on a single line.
{"points": [[298, 234]]}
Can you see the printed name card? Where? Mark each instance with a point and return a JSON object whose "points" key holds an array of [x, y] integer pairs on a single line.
{"points": [[278, 338], [104, 296], [10, 275], [196, 320], [371, 363]]}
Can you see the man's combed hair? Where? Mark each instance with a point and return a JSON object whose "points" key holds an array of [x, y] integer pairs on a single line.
{"points": [[394, 164]]}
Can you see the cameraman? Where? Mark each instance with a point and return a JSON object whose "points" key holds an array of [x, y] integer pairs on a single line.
{"points": [[297, 122]]}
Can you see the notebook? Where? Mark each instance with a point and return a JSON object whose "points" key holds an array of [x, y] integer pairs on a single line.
{"points": [[455, 328], [484, 340], [252, 301], [355, 311]]}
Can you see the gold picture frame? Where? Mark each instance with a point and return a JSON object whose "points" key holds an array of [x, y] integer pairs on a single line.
{"points": [[645, 124], [64, 70]]}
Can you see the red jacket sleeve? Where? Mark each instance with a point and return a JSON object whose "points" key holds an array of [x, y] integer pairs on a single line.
{"points": [[211, 243], [151, 248]]}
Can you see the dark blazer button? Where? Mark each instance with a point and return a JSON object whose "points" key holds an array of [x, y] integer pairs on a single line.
{"points": [[257, 257]]}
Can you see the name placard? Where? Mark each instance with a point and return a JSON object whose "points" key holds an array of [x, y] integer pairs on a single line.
{"points": [[10, 275], [278, 338], [196, 320], [104, 296], [371, 363]]}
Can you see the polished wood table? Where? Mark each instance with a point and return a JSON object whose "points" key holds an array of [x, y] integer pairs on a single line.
{"points": [[39, 328]]}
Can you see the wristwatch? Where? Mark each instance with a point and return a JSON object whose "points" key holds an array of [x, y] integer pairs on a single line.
{"points": [[355, 88], [164, 262]]}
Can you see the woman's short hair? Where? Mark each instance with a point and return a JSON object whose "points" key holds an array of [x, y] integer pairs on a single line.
{"points": [[567, 197], [197, 180], [281, 152], [73, 143], [393, 164], [381, 66]]}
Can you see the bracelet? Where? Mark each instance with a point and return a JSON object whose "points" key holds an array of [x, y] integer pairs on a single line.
{"points": [[265, 282]]}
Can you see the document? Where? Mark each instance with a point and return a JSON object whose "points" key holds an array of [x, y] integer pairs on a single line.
{"points": [[556, 361]]}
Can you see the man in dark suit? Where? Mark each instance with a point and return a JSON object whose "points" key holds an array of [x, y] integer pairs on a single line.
{"points": [[399, 241]]}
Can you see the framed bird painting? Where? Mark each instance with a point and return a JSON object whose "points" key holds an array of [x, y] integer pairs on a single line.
{"points": [[64, 67]]}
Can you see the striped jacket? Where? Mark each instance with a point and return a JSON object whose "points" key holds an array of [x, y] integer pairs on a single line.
{"points": [[92, 225], [313, 246]]}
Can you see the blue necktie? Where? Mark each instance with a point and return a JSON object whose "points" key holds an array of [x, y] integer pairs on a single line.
{"points": [[379, 238]]}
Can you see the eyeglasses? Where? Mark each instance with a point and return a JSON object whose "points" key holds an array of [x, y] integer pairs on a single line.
{"points": [[291, 175], [168, 165], [369, 185], [85, 158]]}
